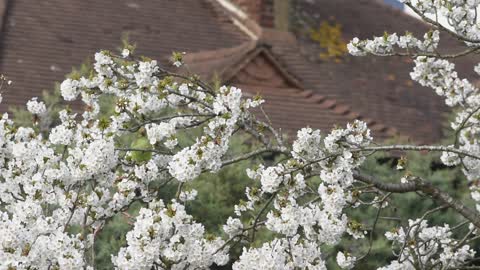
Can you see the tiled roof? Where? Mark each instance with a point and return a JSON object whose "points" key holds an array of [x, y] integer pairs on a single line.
{"points": [[3, 9], [378, 87], [42, 40], [255, 69]]}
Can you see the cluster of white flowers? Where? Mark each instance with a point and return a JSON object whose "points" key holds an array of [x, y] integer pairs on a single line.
{"points": [[84, 174], [165, 236], [147, 172], [233, 227], [321, 221], [386, 44], [32, 241], [307, 145], [208, 150], [70, 89], [144, 77], [475, 193], [61, 135], [104, 64], [345, 261], [460, 15], [125, 53], [157, 132], [435, 244], [450, 159], [272, 177], [282, 254], [188, 195], [432, 247], [36, 107], [440, 75]]}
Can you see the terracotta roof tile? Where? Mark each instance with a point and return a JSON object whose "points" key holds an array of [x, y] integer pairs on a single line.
{"points": [[328, 104], [41, 42], [288, 105], [341, 109], [316, 98], [353, 115], [306, 93], [378, 88]]}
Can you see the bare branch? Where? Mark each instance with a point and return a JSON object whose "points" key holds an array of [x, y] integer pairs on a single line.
{"points": [[427, 188], [417, 148]]}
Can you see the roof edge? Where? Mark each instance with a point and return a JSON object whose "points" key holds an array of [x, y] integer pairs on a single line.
{"points": [[3, 14], [262, 48], [348, 112], [252, 49], [399, 12], [241, 19]]}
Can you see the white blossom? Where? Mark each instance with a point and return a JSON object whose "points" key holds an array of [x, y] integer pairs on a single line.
{"points": [[36, 107], [233, 227], [61, 135], [345, 261], [125, 53], [166, 232], [69, 89]]}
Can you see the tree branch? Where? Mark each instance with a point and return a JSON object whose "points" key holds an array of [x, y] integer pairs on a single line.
{"points": [[417, 148], [440, 26], [427, 188]]}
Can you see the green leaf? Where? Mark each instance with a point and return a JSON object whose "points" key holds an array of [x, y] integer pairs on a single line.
{"points": [[141, 143]]}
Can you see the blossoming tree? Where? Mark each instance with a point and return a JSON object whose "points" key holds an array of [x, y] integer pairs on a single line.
{"points": [[58, 190]]}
